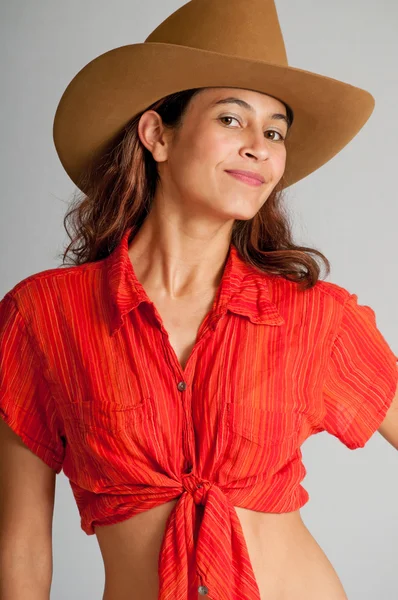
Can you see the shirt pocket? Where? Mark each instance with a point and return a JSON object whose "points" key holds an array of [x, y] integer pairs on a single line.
{"points": [[106, 415], [260, 441], [264, 426], [128, 438], [108, 444]]}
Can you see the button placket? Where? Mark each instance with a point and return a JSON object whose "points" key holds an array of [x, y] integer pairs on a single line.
{"points": [[188, 452]]}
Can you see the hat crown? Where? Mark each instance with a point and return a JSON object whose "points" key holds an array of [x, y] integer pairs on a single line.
{"points": [[248, 29]]}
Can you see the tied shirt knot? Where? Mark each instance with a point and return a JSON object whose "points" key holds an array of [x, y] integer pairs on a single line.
{"points": [[197, 487], [192, 540]]}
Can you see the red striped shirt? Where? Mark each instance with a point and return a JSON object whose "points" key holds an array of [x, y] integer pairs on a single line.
{"points": [[91, 384]]}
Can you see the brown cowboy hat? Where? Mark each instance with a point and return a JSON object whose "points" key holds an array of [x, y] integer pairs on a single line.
{"points": [[208, 43]]}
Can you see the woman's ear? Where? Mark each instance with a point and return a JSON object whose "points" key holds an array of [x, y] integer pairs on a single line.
{"points": [[153, 135]]}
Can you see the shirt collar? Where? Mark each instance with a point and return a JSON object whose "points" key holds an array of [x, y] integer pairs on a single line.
{"points": [[242, 289]]}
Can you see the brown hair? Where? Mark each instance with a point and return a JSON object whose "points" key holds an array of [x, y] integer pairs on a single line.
{"points": [[119, 187]]}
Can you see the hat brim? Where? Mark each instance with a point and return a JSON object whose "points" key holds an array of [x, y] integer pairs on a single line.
{"points": [[115, 86]]}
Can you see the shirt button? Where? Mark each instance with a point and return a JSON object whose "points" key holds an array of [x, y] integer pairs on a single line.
{"points": [[202, 589], [182, 386]]}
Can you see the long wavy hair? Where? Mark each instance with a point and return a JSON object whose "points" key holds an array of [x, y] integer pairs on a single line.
{"points": [[119, 187]]}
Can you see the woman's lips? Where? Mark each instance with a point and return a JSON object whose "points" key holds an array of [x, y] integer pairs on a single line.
{"points": [[245, 178]]}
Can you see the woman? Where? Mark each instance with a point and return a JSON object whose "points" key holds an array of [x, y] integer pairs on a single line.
{"points": [[175, 369]]}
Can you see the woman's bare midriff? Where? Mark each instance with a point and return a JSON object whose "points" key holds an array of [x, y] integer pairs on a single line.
{"points": [[287, 561]]}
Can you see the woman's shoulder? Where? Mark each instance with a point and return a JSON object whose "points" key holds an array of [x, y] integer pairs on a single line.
{"points": [[48, 286], [327, 291]]}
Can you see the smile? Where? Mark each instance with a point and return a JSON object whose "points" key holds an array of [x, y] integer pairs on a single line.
{"points": [[246, 179]]}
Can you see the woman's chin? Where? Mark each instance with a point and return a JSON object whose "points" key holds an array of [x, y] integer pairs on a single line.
{"points": [[243, 213]]}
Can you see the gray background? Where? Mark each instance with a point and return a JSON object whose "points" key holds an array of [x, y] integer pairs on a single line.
{"points": [[348, 209]]}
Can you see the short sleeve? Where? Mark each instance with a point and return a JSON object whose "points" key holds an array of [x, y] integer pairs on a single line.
{"points": [[361, 377], [26, 404]]}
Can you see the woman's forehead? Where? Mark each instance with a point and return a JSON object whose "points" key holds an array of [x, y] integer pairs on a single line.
{"points": [[249, 99]]}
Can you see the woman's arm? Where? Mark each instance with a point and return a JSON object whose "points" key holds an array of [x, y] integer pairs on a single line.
{"points": [[27, 490], [389, 426]]}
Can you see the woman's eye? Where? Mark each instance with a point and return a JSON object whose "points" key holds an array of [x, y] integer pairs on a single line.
{"points": [[227, 117], [270, 130], [274, 131]]}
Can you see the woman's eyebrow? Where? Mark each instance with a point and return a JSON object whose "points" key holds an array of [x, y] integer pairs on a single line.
{"points": [[243, 104]]}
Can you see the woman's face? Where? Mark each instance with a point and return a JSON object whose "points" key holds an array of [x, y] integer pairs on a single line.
{"points": [[217, 136]]}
